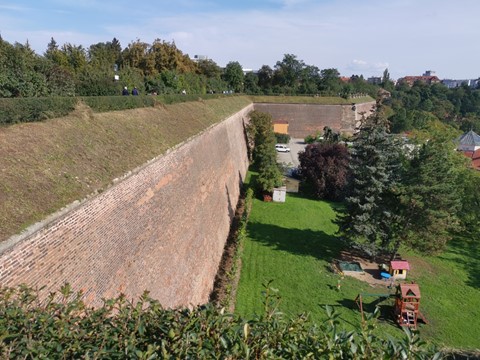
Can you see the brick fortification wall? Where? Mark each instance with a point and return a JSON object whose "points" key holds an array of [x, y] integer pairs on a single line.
{"points": [[307, 119], [162, 228]]}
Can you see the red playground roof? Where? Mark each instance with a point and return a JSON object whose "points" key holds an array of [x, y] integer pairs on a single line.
{"points": [[400, 265], [410, 290]]}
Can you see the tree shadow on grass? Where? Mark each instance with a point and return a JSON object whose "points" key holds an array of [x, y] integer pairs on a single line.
{"points": [[385, 306], [466, 251], [302, 242]]}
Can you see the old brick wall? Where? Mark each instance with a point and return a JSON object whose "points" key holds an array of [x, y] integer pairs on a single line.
{"points": [[161, 228], [307, 119]]}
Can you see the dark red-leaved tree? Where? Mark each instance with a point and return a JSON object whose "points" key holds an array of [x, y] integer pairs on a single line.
{"points": [[325, 167]]}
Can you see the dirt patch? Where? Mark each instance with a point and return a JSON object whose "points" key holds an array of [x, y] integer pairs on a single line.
{"points": [[371, 270]]}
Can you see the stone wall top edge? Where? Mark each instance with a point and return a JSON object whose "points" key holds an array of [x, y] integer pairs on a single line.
{"points": [[311, 104], [298, 104], [10, 243]]}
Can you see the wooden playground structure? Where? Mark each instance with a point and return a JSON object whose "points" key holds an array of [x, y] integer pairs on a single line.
{"points": [[407, 304]]}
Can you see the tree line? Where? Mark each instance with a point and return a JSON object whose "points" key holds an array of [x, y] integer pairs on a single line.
{"points": [[414, 191], [162, 68]]}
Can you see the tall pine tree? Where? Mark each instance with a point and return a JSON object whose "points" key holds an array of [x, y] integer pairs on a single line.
{"points": [[368, 220]]}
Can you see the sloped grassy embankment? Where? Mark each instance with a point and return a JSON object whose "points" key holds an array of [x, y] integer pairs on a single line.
{"points": [[45, 166]]}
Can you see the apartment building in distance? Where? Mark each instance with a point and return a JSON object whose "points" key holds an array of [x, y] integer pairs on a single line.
{"points": [[473, 83], [429, 77]]}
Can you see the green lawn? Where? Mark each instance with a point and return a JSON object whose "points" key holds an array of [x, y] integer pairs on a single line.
{"points": [[293, 244]]}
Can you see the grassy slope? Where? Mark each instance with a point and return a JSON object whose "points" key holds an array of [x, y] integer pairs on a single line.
{"points": [[450, 286], [47, 165], [293, 243]]}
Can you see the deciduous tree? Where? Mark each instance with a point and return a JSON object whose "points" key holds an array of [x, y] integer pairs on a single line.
{"points": [[431, 194], [234, 77], [325, 167]]}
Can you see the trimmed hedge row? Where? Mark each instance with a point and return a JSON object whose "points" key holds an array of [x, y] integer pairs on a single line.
{"points": [[113, 103], [17, 110], [172, 99], [62, 327]]}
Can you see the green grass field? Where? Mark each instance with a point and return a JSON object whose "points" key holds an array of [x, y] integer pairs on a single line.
{"points": [[293, 244]]}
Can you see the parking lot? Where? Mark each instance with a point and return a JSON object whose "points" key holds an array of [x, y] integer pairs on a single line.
{"points": [[291, 158]]}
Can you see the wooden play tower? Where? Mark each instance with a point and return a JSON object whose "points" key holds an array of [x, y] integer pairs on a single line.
{"points": [[407, 304]]}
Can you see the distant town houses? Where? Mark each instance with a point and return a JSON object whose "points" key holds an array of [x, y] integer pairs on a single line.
{"points": [[429, 77], [375, 80], [473, 83]]}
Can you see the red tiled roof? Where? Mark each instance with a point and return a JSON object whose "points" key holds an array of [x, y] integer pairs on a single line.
{"points": [[280, 121], [426, 79], [476, 160], [475, 156], [400, 265]]}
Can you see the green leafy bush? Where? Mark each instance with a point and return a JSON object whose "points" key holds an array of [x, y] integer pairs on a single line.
{"points": [[113, 103], [310, 139], [63, 327], [18, 110], [282, 138], [179, 98]]}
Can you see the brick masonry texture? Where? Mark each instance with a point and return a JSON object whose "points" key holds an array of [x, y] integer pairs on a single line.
{"points": [[162, 228], [307, 119]]}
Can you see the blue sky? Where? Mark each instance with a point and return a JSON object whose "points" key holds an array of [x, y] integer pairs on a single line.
{"points": [[354, 36]]}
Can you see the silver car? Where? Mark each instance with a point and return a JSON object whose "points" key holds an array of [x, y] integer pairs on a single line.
{"points": [[282, 148]]}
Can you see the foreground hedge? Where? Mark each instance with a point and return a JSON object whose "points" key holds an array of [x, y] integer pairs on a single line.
{"points": [[64, 328]]}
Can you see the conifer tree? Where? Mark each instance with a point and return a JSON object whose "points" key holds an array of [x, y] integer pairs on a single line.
{"points": [[375, 167], [261, 134], [430, 197]]}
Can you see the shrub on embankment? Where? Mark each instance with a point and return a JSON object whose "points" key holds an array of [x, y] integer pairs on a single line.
{"points": [[64, 328], [18, 110], [47, 165]]}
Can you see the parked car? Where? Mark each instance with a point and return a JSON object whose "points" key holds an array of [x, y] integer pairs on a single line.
{"points": [[282, 148]]}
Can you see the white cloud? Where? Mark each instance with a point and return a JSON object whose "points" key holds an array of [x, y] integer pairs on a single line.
{"points": [[407, 36], [364, 67]]}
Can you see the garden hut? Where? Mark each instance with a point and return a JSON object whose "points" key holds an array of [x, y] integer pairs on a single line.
{"points": [[407, 304], [398, 269]]}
